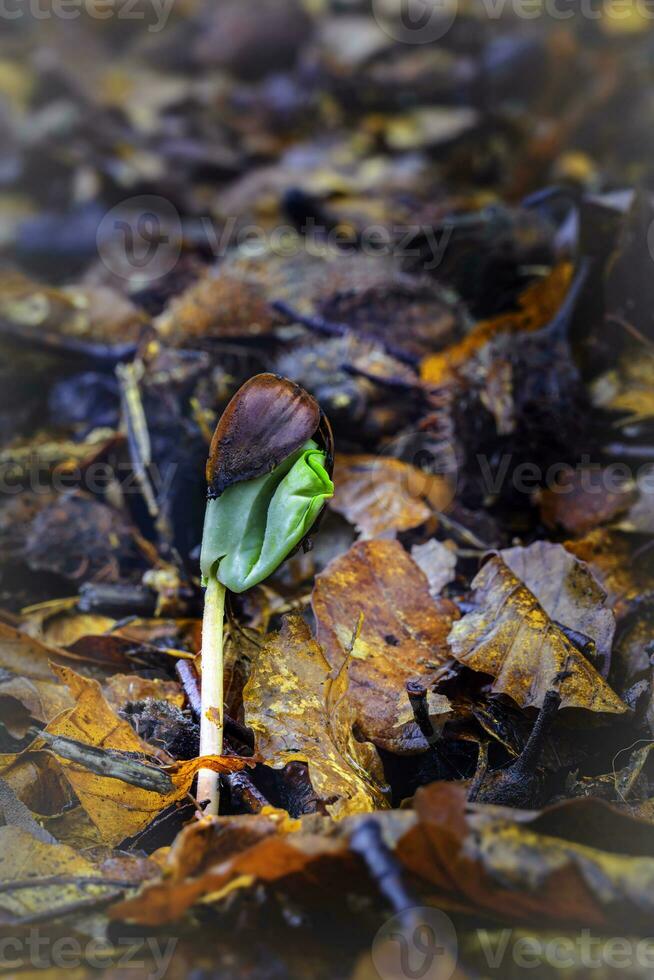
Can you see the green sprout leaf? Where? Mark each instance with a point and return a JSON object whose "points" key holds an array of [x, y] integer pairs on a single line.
{"points": [[254, 525]]}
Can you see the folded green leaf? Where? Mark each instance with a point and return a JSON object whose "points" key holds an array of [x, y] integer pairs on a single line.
{"points": [[254, 525]]}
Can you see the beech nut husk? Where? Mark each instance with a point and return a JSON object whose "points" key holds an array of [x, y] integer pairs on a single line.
{"points": [[267, 420]]}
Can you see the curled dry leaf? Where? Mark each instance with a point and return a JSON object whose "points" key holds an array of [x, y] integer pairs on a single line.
{"points": [[579, 862], [567, 591], [512, 638], [381, 495], [118, 810], [403, 634], [537, 306], [300, 713]]}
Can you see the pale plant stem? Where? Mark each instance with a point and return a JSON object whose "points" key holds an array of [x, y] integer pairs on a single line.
{"points": [[211, 728]]}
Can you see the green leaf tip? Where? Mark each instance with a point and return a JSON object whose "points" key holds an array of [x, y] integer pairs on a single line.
{"points": [[255, 524]]}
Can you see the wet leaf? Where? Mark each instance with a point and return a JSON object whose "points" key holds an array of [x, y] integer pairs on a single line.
{"points": [[402, 635], [298, 712], [512, 638]]}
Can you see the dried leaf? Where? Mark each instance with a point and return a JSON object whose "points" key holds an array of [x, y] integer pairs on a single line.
{"points": [[512, 638], [402, 636], [118, 810], [567, 591], [583, 500], [25, 856], [297, 713], [438, 562], [210, 859], [381, 495]]}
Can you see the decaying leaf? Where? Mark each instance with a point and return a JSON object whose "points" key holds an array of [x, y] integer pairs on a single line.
{"points": [[299, 712], [567, 591], [210, 860], [512, 638], [25, 856], [583, 500], [118, 810], [579, 862], [402, 636], [381, 495]]}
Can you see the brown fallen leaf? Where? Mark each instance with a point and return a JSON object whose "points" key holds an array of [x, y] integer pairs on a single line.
{"points": [[512, 638], [611, 556], [567, 591], [583, 500], [402, 635], [212, 858], [537, 305], [580, 862], [123, 688], [298, 712], [381, 495], [119, 810]]}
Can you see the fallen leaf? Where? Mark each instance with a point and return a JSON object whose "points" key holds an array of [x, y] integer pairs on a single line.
{"points": [[381, 495], [123, 688], [299, 713], [210, 855], [512, 638], [584, 499], [537, 306], [580, 862], [118, 809], [567, 591], [438, 562], [24, 856], [402, 635]]}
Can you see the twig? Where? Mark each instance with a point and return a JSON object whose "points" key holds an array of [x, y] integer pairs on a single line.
{"points": [[382, 865], [111, 763], [190, 681], [61, 880]]}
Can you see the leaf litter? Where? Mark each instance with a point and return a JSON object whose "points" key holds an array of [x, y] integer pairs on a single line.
{"points": [[447, 702]]}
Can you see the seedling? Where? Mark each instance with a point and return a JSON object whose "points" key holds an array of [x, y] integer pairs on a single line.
{"points": [[268, 476]]}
